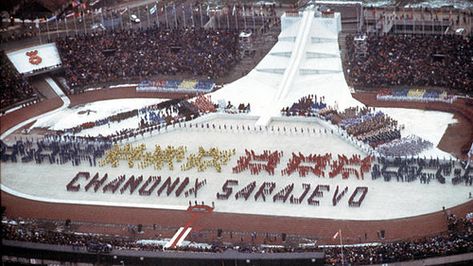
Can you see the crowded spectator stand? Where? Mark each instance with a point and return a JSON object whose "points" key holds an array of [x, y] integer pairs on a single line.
{"points": [[101, 57], [457, 240], [395, 60], [15, 88]]}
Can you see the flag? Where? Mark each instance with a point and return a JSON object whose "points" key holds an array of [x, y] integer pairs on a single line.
{"points": [[153, 9], [234, 10], [336, 234]]}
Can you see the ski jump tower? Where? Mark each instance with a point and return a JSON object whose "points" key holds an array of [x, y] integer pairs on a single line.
{"points": [[305, 60], [309, 40]]}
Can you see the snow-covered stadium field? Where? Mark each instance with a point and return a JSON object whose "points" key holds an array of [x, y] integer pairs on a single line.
{"points": [[315, 51], [48, 182]]}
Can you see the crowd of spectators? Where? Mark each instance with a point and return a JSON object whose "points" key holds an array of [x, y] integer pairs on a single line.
{"points": [[419, 60], [457, 240], [14, 87], [123, 54], [14, 35]]}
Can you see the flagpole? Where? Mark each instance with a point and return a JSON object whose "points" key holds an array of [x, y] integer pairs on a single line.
{"points": [[65, 23], [121, 20], [113, 24], [147, 15], [75, 24], [139, 15], [253, 16], [157, 17], [201, 18], [101, 17], [261, 13], [47, 28], [57, 27], [192, 15], [166, 15], [175, 15], [184, 15], [83, 20], [39, 30], [341, 246], [236, 18], [244, 16]]}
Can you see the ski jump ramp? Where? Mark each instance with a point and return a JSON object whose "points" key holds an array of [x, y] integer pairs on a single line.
{"points": [[305, 60]]}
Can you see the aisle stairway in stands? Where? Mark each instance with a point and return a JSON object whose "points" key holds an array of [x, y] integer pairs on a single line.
{"points": [[196, 212]]}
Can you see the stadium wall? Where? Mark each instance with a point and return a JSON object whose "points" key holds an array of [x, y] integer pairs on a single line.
{"points": [[41, 252]]}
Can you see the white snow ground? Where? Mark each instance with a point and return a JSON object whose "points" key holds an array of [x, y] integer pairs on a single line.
{"points": [[50, 180], [385, 200], [429, 125], [93, 111]]}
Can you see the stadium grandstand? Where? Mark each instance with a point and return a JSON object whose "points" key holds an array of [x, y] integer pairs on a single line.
{"points": [[138, 132]]}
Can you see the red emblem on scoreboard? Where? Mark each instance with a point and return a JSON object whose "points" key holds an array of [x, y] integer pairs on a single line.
{"points": [[34, 58]]}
